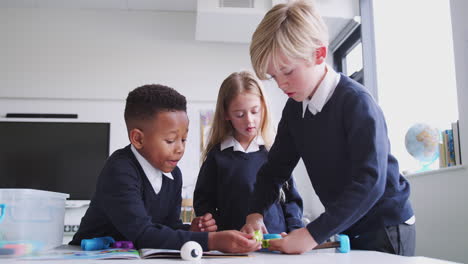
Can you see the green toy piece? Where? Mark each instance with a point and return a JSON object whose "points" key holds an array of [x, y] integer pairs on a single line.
{"points": [[265, 238], [258, 236]]}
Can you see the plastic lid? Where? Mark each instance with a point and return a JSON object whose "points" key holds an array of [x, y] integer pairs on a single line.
{"points": [[14, 191]]}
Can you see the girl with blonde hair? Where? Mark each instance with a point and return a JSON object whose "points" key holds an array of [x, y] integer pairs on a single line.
{"points": [[238, 145]]}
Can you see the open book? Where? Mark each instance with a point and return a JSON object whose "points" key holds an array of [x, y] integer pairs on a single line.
{"points": [[122, 253], [148, 253]]}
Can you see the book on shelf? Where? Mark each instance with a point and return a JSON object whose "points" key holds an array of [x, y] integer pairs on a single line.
{"points": [[449, 149], [123, 253], [442, 155], [456, 142], [446, 149]]}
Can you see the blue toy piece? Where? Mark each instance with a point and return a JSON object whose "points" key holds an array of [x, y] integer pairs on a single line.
{"points": [[271, 236], [3, 211], [97, 243], [267, 237], [345, 246]]}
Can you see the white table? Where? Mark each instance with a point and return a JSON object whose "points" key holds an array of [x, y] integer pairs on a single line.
{"points": [[313, 257]]}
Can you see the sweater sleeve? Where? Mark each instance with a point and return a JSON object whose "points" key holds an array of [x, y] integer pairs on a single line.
{"points": [[122, 203], [292, 206], [368, 147], [205, 194], [282, 159]]}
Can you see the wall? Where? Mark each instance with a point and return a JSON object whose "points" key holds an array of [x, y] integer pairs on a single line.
{"points": [[101, 54], [439, 199], [86, 61]]}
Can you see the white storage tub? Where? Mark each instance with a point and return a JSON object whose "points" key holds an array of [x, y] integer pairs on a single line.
{"points": [[32, 216]]}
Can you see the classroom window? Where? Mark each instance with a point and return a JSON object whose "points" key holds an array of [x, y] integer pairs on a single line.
{"points": [[354, 60], [348, 56], [415, 69]]}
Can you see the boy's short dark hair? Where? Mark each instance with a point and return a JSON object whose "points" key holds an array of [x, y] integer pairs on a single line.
{"points": [[144, 102]]}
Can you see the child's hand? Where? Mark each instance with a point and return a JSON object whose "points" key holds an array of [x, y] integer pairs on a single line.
{"points": [[296, 242], [232, 241], [254, 222], [205, 223]]}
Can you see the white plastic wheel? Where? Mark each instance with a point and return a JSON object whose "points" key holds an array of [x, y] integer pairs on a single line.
{"points": [[191, 250]]}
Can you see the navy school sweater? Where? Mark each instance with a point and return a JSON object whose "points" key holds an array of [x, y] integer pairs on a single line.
{"points": [[225, 184], [126, 207], [346, 152]]}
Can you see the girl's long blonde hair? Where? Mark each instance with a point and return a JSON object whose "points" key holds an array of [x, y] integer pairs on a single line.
{"points": [[233, 85]]}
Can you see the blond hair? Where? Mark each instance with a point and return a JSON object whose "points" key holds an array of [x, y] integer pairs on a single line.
{"points": [[233, 85], [294, 29]]}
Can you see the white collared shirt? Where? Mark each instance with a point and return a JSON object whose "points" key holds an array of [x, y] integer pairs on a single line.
{"points": [[153, 174], [411, 221], [322, 94], [254, 146]]}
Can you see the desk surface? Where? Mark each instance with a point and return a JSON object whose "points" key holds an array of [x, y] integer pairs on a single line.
{"points": [[315, 257]]}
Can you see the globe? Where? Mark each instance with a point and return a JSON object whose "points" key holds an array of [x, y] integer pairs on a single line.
{"points": [[422, 142]]}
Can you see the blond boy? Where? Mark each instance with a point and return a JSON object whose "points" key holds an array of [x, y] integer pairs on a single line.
{"points": [[336, 127]]}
